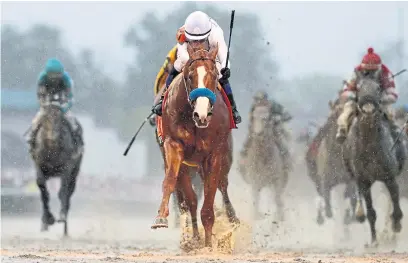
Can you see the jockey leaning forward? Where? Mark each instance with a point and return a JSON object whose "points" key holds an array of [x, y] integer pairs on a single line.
{"points": [[370, 64], [199, 27], [54, 77]]}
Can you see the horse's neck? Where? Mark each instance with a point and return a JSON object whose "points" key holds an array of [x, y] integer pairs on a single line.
{"points": [[369, 130]]}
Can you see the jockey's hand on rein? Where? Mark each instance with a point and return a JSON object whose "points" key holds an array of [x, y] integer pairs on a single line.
{"points": [[152, 120], [226, 73]]}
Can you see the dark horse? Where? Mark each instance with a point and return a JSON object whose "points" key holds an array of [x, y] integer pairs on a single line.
{"points": [[56, 155], [197, 131], [326, 168], [369, 154]]}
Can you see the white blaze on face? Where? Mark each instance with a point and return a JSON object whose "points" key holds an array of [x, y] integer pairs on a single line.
{"points": [[202, 103]]}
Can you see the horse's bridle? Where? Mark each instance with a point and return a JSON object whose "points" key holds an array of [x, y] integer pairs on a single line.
{"points": [[191, 61]]}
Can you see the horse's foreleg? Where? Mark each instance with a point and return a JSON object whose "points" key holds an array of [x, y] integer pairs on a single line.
{"points": [[47, 217], [255, 201], [174, 157], [278, 190], [396, 215], [365, 190], [190, 197], [211, 171], [327, 201]]}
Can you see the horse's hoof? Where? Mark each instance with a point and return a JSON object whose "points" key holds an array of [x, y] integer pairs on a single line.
{"points": [[160, 222], [360, 218], [396, 227], [373, 244], [320, 220], [329, 213], [63, 218], [44, 227], [48, 219]]}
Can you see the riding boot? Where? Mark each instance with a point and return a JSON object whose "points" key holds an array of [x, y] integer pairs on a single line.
{"points": [[235, 113], [399, 147], [157, 109], [227, 89]]}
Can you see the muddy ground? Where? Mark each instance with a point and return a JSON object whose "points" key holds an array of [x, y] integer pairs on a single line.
{"points": [[99, 233]]}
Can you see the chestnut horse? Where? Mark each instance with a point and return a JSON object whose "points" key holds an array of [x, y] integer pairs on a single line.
{"points": [[197, 131]]}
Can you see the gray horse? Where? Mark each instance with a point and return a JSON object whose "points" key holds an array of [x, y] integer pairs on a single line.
{"points": [[326, 169], [367, 152], [262, 166], [56, 155], [400, 118]]}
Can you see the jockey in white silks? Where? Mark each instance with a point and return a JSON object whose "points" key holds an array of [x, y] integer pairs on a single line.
{"points": [[199, 27]]}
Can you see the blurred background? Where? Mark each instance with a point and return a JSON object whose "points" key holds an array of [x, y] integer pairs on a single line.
{"points": [[298, 52]]}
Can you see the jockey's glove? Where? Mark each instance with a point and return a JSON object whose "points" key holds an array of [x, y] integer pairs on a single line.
{"points": [[157, 109], [226, 73], [152, 121]]}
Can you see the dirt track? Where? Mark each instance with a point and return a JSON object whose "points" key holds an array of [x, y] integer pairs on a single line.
{"points": [[107, 234]]}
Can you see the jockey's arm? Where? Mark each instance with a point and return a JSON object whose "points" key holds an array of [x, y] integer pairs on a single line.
{"points": [[390, 94], [41, 88], [69, 84], [217, 37], [349, 89]]}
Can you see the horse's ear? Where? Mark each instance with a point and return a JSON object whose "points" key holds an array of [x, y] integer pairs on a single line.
{"points": [[377, 74], [214, 52], [190, 50], [331, 104], [359, 75]]}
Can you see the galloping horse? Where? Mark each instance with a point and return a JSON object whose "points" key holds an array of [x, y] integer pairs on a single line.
{"points": [[56, 155], [197, 131], [263, 166], [326, 169], [368, 152]]}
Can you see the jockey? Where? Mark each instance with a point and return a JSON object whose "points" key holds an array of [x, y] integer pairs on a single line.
{"points": [[200, 27], [166, 67], [54, 75], [276, 109], [370, 64]]}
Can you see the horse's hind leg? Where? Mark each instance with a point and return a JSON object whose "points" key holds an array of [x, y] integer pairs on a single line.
{"points": [[68, 184], [278, 190], [47, 217], [397, 215], [223, 187], [176, 205], [190, 198], [350, 198], [365, 190]]}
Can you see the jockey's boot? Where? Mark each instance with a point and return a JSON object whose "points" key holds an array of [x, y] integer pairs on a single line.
{"points": [[399, 147], [235, 113]]}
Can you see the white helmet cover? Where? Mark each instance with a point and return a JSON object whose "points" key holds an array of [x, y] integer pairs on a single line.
{"points": [[197, 26]]}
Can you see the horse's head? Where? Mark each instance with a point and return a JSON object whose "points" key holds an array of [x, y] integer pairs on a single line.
{"points": [[51, 124], [368, 93], [261, 120], [201, 77]]}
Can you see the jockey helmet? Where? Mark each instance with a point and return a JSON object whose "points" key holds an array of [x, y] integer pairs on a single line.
{"points": [[197, 26], [261, 95], [371, 61], [181, 36], [53, 65]]}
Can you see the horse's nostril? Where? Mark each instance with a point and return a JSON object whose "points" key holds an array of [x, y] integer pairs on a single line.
{"points": [[195, 115]]}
